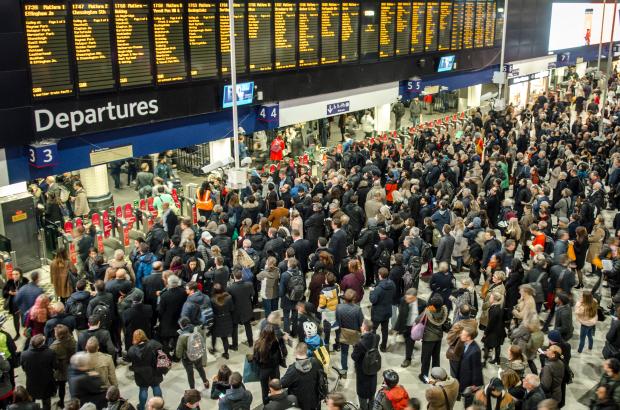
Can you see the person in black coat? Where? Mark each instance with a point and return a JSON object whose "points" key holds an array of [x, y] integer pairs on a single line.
{"points": [[314, 226], [442, 283], [356, 215], [302, 379], [338, 243], [84, 385], [303, 249], [171, 303], [534, 394], [381, 298], [495, 332], [365, 384], [406, 320], [223, 308], [242, 294], [14, 282], [138, 316], [279, 399], [269, 354], [152, 285], [39, 363], [142, 356], [470, 369]]}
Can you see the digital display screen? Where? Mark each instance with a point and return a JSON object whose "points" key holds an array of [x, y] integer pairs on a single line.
{"points": [[48, 55], [446, 63], [239, 36], [91, 42], [169, 43], [585, 21], [481, 14], [330, 32], [350, 26], [418, 17], [469, 24], [308, 34], [458, 21], [133, 44], [201, 28], [403, 28], [445, 26], [370, 33], [432, 22], [489, 28], [245, 94], [259, 35], [284, 20], [386, 32]]}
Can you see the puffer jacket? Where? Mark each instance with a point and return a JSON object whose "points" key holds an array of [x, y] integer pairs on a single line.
{"points": [[433, 331], [328, 301]]}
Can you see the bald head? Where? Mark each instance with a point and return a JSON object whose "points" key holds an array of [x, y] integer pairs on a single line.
{"points": [[158, 266], [121, 274]]}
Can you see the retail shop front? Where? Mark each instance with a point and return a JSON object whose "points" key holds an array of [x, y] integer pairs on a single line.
{"points": [[528, 79]]}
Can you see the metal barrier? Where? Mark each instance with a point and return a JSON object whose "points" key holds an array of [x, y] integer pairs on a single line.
{"points": [[191, 159]]}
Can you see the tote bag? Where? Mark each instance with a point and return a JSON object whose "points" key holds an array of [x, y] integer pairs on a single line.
{"points": [[417, 331]]}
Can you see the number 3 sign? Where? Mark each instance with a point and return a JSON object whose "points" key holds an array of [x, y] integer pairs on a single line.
{"points": [[43, 155]]}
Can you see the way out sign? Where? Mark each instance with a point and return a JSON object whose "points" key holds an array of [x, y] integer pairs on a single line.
{"points": [[338, 107]]}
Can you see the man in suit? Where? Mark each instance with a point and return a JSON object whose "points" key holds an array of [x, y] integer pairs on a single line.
{"points": [[410, 308], [338, 243], [302, 249], [152, 286], [470, 371], [242, 293]]}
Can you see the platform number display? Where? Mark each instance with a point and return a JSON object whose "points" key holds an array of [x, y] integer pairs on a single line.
{"points": [[414, 86], [41, 156], [269, 113]]}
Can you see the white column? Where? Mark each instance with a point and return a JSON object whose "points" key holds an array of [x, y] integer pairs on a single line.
{"points": [[220, 149], [383, 116], [473, 95], [95, 182], [4, 169]]}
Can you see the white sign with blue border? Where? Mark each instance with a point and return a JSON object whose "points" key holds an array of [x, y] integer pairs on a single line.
{"points": [[338, 107]]}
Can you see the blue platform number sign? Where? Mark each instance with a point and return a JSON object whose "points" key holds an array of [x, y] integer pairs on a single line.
{"points": [[269, 113], [42, 155], [338, 107], [563, 58], [414, 86]]}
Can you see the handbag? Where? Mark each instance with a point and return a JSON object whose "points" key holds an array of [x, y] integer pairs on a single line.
{"points": [[485, 289], [539, 295], [570, 252], [250, 370], [417, 331], [349, 336]]}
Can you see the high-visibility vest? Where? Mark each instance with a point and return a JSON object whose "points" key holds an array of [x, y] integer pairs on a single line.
{"points": [[204, 203]]}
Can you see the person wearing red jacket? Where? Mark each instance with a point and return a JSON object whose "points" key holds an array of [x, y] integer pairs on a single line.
{"points": [[392, 395], [277, 149]]}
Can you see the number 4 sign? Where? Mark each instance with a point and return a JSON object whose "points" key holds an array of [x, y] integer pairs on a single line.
{"points": [[43, 155], [269, 113]]}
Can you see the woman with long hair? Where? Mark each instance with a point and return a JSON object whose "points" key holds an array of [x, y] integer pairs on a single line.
{"points": [[513, 230], [596, 240], [190, 251], [222, 313], [580, 245], [142, 354], [460, 243], [516, 360], [354, 280], [176, 265], [37, 316], [220, 383], [191, 271], [14, 282], [586, 313], [269, 353], [526, 305], [494, 332], [269, 279], [324, 265], [234, 210], [60, 270]]}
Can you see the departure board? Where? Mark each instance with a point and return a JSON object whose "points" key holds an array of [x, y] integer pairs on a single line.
{"points": [[481, 13], [284, 20], [201, 25], [432, 22], [308, 34], [239, 37], [445, 26], [91, 41], [386, 31], [133, 47], [169, 44], [349, 22], [48, 55], [458, 8], [499, 28], [418, 17], [403, 28], [259, 36], [370, 39], [468, 24], [489, 30], [330, 32]]}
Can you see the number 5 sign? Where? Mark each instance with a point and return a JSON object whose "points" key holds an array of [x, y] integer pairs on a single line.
{"points": [[43, 155]]}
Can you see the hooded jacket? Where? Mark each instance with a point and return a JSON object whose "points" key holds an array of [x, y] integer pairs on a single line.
{"points": [[302, 380], [394, 398], [238, 397], [381, 298], [433, 331], [191, 307]]}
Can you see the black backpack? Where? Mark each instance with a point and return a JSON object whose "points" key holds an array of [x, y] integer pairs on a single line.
{"points": [[103, 312], [371, 363], [323, 384], [296, 286], [385, 258], [78, 311]]}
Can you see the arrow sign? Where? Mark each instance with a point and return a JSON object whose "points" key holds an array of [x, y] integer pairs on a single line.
{"points": [[338, 107]]}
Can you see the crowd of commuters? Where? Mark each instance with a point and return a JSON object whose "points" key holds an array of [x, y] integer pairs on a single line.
{"points": [[501, 221]]}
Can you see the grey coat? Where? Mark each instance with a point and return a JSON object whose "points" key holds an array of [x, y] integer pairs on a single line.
{"points": [[445, 248], [564, 321], [551, 377]]}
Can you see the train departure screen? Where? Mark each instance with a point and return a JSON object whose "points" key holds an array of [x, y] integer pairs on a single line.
{"points": [[432, 22], [386, 32], [133, 45], [348, 38], [403, 27], [46, 37], [169, 44], [445, 25], [202, 39], [489, 28], [284, 16], [418, 17], [239, 36], [481, 13], [330, 31], [259, 35], [458, 8], [468, 24], [308, 34]]}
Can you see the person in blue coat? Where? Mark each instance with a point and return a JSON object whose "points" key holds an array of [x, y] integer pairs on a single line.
{"points": [[470, 370], [27, 294], [381, 311]]}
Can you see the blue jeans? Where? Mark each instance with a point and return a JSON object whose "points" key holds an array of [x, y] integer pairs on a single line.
{"points": [[144, 395], [585, 331], [344, 356], [270, 305], [459, 263]]}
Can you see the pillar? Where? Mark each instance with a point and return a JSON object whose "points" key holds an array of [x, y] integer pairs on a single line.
{"points": [[95, 181], [220, 149], [383, 117], [473, 95]]}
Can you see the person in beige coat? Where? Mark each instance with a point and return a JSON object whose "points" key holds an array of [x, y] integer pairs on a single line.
{"points": [[102, 363], [526, 306], [440, 382], [59, 274], [596, 239], [118, 261], [373, 205], [80, 201]]}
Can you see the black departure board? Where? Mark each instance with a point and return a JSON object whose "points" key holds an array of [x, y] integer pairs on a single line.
{"points": [[169, 44], [201, 31], [91, 42], [403, 28], [458, 9], [468, 24], [481, 13], [387, 19], [48, 55], [330, 32], [445, 26], [133, 46], [285, 41], [369, 43], [489, 28], [308, 34], [349, 19], [432, 23], [239, 37], [418, 17], [259, 36], [499, 28]]}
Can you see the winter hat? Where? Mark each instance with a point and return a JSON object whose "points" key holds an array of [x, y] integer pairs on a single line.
{"points": [[554, 336]]}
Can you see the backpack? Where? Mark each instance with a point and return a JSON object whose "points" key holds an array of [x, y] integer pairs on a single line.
{"points": [[195, 346], [410, 278], [155, 244], [162, 362], [371, 363], [247, 275], [436, 237], [426, 253], [322, 355], [256, 259], [549, 245], [78, 311], [103, 311], [207, 318], [385, 258], [295, 287], [323, 385]]}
